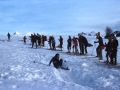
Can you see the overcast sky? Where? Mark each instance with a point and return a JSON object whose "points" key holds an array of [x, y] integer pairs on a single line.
{"points": [[58, 16]]}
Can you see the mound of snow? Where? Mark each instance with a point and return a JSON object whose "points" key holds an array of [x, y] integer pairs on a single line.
{"points": [[17, 34]]}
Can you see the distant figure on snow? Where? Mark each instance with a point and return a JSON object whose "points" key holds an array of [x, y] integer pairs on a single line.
{"points": [[61, 42], [24, 38], [8, 36], [69, 43]]}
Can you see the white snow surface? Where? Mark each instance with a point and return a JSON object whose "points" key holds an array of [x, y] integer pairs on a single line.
{"points": [[19, 72]]}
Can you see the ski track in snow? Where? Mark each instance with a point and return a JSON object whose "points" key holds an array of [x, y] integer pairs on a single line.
{"points": [[19, 72]]}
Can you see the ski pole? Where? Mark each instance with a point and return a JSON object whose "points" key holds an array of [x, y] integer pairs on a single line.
{"points": [[40, 63]]}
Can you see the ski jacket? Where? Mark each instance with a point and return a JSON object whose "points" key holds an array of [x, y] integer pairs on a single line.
{"points": [[54, 60], [115, 44], [69, 41], [108, 46], [84, 40], [24, 38], [61, 40], [100, 41], [75, 42]]}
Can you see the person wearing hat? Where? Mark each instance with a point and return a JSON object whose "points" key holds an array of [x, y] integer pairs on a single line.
{"points": [[100, 46]]}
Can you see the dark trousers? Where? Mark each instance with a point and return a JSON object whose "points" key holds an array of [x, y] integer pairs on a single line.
{"points": [[69, 47], [8, 38], [108, 54], [60, 45], [33, 43], [24, 41], [82, 49], [58, 64], [43, 43], [39, 42], [114, 57], [99, 52], [53, 45]]}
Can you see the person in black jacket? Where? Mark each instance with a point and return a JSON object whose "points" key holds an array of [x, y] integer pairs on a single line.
{"points": [[61, 42], [34, 40], [114, 51], [85, 44], [100, 46], [69, 43], [56, 62], [81, 47], [8, 36], [108, 49]]}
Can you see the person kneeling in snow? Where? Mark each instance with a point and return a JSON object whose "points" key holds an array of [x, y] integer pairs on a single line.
{"points": [[56, 62]]}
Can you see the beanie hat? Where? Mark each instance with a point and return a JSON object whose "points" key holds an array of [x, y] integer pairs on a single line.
{"points": [[98, 33]]}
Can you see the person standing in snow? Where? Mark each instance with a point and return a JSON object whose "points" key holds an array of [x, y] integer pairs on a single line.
{"points": [[114, 51], [108, 50], [80, 44], [50, 42], [69, 43], [56, 62], [61, 42], [24, 39], [53, 43], [34, 38], [75, 42], [85, 44], [8, 36], [100, 46]]}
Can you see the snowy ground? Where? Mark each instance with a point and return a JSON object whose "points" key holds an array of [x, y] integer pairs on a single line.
{"points": [[19, 72]]}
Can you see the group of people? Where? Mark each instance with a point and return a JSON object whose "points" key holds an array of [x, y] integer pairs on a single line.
{"points": [[81, 41], [74, 43], [110, 48], [38, 40], [52, 42]]}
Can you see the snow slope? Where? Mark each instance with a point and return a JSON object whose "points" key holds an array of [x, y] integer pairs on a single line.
{"points": [[19, 72]]}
